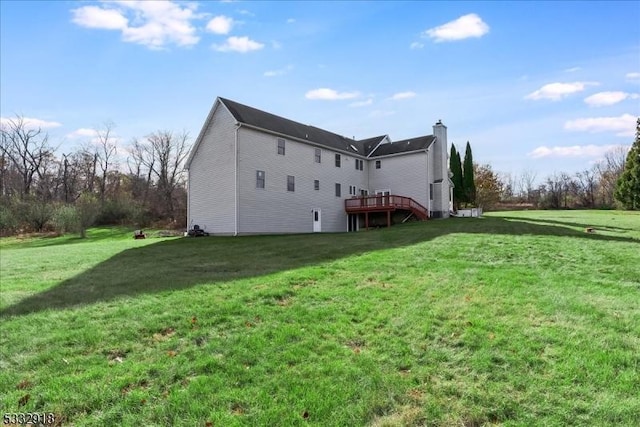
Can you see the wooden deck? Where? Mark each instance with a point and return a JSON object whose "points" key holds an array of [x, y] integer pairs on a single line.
{"points": [[379, 203]]}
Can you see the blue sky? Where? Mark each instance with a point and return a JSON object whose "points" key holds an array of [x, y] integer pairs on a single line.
{"points": [[539, 86]]}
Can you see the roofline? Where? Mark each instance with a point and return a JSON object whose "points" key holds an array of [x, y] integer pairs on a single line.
{"points": [[198, 141], [379, 142], [425, 149], [304, 141], [384, 156]]}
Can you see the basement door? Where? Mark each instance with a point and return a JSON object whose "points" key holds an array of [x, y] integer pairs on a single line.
{"points": [[384, 200], [317, 220]]}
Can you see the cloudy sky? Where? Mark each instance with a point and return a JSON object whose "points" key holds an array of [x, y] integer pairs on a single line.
{"points": [[541, 86]]}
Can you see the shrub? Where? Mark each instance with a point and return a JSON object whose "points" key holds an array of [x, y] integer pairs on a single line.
{"points": [[65, 219]]}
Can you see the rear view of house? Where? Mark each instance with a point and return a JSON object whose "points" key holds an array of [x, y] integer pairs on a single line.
{"points": [[252, 172]]}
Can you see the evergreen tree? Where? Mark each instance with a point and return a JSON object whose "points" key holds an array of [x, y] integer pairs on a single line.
{"points": [[455, 166], [468, 177], [628, 185]]}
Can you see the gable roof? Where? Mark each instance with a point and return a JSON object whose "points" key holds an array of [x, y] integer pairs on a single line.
{"points": [[369, 147], [270, 122], [405, 146]]}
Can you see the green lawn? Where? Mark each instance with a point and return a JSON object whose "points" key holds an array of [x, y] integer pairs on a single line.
{"points": [[518, 318]]}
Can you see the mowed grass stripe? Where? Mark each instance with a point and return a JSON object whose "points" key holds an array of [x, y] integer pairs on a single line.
{"points": [[519, 318]]}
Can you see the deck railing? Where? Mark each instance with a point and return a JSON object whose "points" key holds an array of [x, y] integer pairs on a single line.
{"points": [[382, 203]]}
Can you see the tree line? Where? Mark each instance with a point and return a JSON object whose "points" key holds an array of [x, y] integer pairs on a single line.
{"points": [[100, 183], [613, 182]]}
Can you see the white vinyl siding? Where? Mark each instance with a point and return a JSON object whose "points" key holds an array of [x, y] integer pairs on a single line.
{"points": [[403, 175], [212, 178], [276, 210]]}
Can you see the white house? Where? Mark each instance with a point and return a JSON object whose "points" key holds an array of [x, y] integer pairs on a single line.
{"points": [[252, 172]]}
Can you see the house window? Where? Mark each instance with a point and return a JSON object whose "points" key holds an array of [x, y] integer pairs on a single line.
{"points": [[338, 190], [316, 184], [337, 160], [259, 179], [430, 191], [378, 164], [291, 183], [359, 164], [281, 146], [318, 155]]}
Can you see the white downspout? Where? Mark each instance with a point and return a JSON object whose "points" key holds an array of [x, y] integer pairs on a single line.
{"points": [[429, 195], [235, 204], [188, 197]]}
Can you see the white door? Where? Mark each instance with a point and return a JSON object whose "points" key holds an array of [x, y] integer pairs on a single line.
{"points": [[317, 220]]}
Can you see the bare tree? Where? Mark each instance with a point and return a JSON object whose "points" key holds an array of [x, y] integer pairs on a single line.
{"points": [[169, 153], [105, 153], [26, 148], [526, 184], [587, 182], [141, 162], [88, 162], [609, 170]]}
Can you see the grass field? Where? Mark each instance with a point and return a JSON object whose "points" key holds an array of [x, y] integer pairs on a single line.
{"points": [[515, 319]]}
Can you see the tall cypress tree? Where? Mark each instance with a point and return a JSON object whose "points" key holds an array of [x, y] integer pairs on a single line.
{"points": [[455, 166], [467, 176], [628, 186]]}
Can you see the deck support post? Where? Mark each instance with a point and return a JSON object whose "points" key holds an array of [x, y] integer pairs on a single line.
{"points": [[388, 219], [366, 221]]}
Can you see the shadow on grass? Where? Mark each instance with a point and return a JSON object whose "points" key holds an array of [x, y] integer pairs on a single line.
{"points": [[182, 263], [568, 223]]}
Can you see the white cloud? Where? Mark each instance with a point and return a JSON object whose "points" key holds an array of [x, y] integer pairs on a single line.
{"points": [[83, 133], [623, 125], [572, 70], [153, 24], [290, 21], [362, 103], [466, 26], [416, 45], [280, 72], [601, 99], [30, 122], [572, 151], [239, 44], [330, 94], [557, 91], [633, 76], [403, 95], [220, 25], [97, 17]]}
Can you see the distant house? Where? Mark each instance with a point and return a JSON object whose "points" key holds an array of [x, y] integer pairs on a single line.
{"points": [[252, 172]]}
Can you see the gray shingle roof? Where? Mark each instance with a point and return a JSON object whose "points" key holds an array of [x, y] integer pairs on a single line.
{"points": [[404, 146], [270, 122]]}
